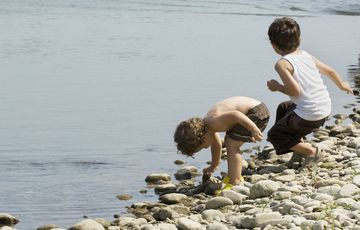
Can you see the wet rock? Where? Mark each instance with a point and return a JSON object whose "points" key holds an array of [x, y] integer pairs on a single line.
{"points": [[179, 162], [154, 178], [47, 227], [165, 188], [8, 220], [124, 197], [186, 173]]}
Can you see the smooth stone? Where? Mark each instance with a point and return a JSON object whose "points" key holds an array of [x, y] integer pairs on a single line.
{"points": [[8, 220], [186, 173], [356, 180], [330, 190], [164, 213], [164, 188], [241, 189], [184, 223], [218, 202], [211, 215], [156, 177], [172, 198], [263, 188], [348, 190], [281, 195], [124, 197], [217, 226], [47, 227], [87, 224], [236, 198]]}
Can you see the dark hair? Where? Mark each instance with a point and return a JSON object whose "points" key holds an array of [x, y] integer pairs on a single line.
{"points": [[285, 34], [189, 135]]}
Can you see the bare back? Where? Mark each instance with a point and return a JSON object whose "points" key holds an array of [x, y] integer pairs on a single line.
{"points": [[238, 103]]}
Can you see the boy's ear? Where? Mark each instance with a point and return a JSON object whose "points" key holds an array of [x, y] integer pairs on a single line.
{"points": [[273, 45]]}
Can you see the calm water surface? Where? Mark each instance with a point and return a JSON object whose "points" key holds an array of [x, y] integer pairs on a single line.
{"points": [[91, 91]]}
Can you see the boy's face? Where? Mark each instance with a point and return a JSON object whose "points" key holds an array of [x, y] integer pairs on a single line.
{"points": [[207, 140], [205, 144]]}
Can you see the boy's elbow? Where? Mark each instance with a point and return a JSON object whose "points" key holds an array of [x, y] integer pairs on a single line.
{"points": [[294, 93]]}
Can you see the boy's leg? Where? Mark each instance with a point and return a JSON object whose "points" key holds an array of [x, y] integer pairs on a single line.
{"points": [[234, 160], [313, 155], [304, 148], [283, 109]]}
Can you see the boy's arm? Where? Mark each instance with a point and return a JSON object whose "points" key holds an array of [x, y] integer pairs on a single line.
{"points": [[290, 86], [227, 120], [333, 75], [216, 149]]}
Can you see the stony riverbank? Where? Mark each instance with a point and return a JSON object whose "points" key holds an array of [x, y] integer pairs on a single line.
{"points": [[273, 196]]}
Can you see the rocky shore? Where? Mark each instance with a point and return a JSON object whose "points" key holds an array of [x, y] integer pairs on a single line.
{"points": [[273, 196]]}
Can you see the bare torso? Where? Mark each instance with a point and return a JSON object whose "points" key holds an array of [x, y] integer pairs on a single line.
{"points": [[239, 103]]}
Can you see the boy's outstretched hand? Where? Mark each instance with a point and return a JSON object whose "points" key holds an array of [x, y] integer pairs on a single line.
{"points": [[346, 87]]}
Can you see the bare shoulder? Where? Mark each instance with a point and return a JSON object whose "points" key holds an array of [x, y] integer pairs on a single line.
{"points": [[283, 63], [236, 103]]}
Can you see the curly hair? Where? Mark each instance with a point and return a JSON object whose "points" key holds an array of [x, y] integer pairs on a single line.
{"points": [[189, 135], [285, 34]]}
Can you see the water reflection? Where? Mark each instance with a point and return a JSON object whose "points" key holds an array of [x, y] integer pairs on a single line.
{"points": [[354, 76]]}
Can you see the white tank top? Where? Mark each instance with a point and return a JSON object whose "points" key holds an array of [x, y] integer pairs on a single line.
{"points": [[314, 102]]}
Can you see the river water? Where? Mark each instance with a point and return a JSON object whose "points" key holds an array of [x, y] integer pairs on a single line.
{"points": [[91, 91]]}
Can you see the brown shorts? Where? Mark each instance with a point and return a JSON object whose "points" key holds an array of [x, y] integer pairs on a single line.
{"points": [[289, 128], [259, 115]]}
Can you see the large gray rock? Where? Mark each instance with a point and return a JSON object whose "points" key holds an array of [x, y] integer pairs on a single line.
{"points": [[187, 224], [348, 190], [332, 190], [87, 224], [172, 198], [236, 198], [218, 202], [263, 188], [211, 215]]}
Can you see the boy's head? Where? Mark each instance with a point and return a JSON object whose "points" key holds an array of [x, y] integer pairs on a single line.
{"points": [[285, 34], [189, 135]]}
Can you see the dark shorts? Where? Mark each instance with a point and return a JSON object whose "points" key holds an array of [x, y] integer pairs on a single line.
{"points": [[259, 115], [289, 128]]}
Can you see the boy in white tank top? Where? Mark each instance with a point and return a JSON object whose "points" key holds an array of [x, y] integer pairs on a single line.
{"points": [[310, 103]]}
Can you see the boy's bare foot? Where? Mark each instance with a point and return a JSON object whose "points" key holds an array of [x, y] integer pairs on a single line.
{"points": [[295, 160], [311, 161]]}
